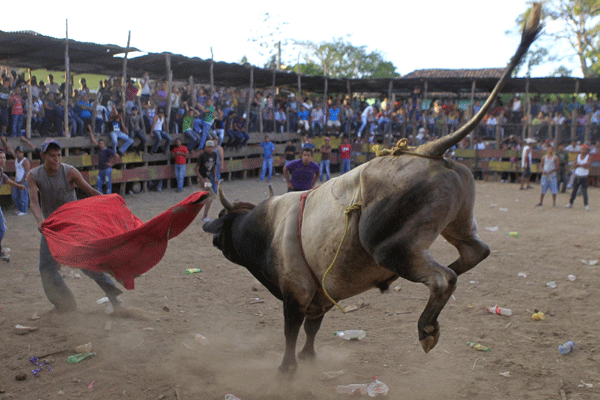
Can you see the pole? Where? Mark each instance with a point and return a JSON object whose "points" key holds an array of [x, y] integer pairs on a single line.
{"points": [[279, 56], [273, 110], [212, 74], [527, 127], [67, 81], [250, 97], [169, 79], [192, 92], [124, 78], [29, 107], [574, 114], [472, 100]]}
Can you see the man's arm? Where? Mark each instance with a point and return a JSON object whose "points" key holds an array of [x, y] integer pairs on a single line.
{"points": [[287, 177], [74, 177], [316, 178], [34, 201], [7, 146]]}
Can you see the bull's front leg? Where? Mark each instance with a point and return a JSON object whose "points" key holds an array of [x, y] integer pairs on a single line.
{"points": [[311, 327], [293, 319], [471, 249]]}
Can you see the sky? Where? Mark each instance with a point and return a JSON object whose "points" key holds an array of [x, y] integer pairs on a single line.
{"points": [[412, 35]]}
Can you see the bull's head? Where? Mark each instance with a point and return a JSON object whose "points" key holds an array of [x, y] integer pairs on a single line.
{"points": [[222, 228]]}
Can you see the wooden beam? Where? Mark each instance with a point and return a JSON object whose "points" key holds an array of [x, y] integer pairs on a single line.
{"points": [[472, 100], [574, 114], [169, 81], [67, 93], [250, 97], [124, 77], [527, 126], [29, 107]]}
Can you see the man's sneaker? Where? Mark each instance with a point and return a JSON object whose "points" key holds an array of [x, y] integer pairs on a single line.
{"points": [[587, 208], [569, 205], [20, 213], [4, 255], [207, 219], [113, 304]]}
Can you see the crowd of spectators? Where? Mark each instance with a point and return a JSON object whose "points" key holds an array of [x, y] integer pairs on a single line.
{"points": [[226, 117]]}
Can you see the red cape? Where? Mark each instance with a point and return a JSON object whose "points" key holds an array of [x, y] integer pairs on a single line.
{"points": [[100, 233]]}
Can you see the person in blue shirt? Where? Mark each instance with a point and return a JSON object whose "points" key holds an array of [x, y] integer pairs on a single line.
{"points": [[269, 148], [303, 119]]}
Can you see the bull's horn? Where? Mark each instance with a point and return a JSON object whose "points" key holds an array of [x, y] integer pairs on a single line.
{"points": [[228, 206], [271, 193]]}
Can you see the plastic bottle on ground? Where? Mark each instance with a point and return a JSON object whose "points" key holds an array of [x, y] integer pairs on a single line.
{"points": [[566, 348], [352, 334], [478, 346], [499, 310], [355, 388], [190, 271], [377, 388], [230, 396]]}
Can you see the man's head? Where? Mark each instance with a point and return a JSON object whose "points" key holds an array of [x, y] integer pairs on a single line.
{"points": [[307, 156], [327, 139], [550, 150], [50, 152], [267, 138], [19, 152], [345, 140], [134, 111], [101, 144], [584, 149], [178, 142], [209, 146]]}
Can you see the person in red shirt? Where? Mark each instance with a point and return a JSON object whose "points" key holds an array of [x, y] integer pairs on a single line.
{"points": [[131, 92], [180, 153], [345, 151], [16, 103]]}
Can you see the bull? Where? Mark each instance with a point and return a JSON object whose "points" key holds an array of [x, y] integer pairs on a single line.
{"points": [[378, 222]]}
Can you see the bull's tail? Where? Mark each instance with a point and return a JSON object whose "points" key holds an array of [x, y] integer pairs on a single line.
{"points": [[531, 30]]}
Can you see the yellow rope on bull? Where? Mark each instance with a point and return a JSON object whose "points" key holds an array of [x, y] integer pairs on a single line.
{"points": [[401, 148], [349, 209]]}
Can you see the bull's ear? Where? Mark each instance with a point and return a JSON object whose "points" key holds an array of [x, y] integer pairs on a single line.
{"points": [[214, 226]]}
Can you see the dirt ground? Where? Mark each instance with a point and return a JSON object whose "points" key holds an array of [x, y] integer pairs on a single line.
{"points": [[150, 351]]}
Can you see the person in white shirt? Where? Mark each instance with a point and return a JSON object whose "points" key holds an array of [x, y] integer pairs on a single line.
{"points": [[526, 163], [367, 115], [582, 172], [549, 166]]}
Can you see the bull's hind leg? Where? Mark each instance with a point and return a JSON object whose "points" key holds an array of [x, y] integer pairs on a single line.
{"points": [[471, 249], [311, 327], [421, 267]]}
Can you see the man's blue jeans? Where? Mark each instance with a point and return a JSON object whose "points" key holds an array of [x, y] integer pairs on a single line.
{"points": [[180, 176], [17, 124], [345, 167], [158, 136], [104, 175], [55, 288], [194, 139], [21, 198], [325, 168], [114, 135], [267, 163]]}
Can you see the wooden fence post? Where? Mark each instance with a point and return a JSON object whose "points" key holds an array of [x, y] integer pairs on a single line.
{"points": [[250, 97], [68, 80]]}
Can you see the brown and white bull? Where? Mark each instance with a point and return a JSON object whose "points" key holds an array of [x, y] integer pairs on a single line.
{"points": [[404, 202]]}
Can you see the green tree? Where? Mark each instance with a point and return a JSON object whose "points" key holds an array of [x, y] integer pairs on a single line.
{"points": [[578, 23], [341, 59]]}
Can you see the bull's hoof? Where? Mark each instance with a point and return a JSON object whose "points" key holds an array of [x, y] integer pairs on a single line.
{"points": [[430, 341], [307, 355], [288, 369]]}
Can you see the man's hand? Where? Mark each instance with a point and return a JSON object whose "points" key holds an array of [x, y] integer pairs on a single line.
{"points": [[289, 185], [40, 226]]}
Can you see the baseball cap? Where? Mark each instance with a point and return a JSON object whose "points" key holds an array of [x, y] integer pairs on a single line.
{"points": [[47, 143], [19, 148], [209, 143]]}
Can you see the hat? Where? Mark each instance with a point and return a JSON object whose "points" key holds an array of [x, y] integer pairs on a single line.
{"points": [[209, 143], [584, 146], [292, 95], [47, 143], [19, 148], [530, 140]]}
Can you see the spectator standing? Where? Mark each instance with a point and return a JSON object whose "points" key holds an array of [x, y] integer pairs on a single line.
{"points": [[290, 152], [107, 158], [526, 158], [51, 86], [563, 161], [301, 174], [292, 107], [303, 119], [157, 130], [307, 143], [582, 172], [5, 89], [325, 164], [131, 92], [180, 154], [268, 149], [22, 167], [146, 91], [208, 118], [206, 172], [55, 183], [345, 152], [549, 166], [5, 179], [316, 117], [16, 104]]}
